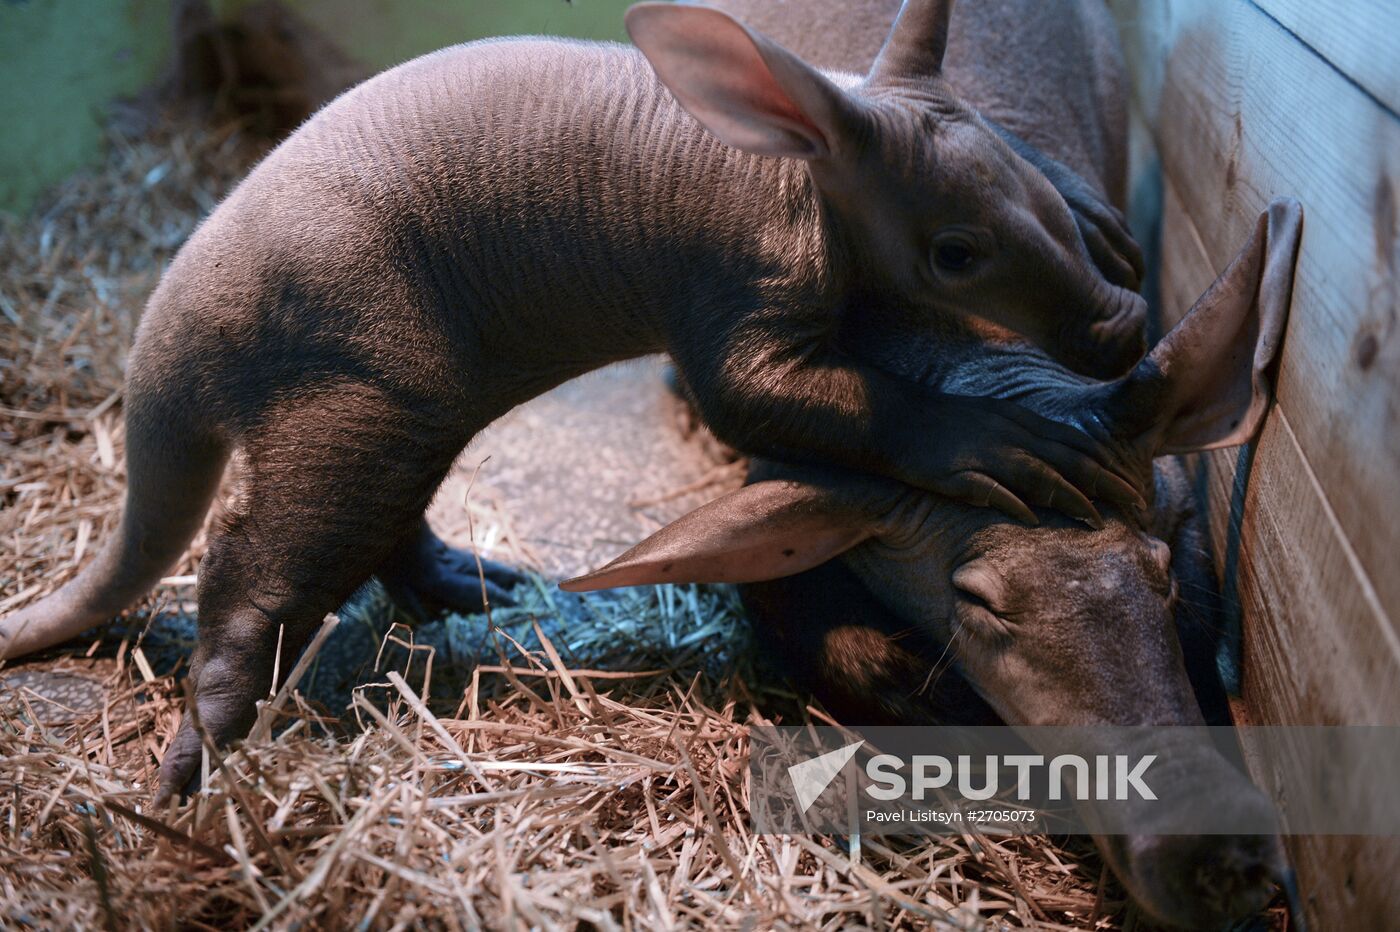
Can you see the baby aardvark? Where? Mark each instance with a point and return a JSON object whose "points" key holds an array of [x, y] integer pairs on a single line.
{"points": [[469, 229]]}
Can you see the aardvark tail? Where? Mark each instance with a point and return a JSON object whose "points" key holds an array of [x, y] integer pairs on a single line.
{"points": [[173, 470]]}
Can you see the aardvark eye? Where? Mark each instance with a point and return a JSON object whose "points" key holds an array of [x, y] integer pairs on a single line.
{"points": [[954, 253]]}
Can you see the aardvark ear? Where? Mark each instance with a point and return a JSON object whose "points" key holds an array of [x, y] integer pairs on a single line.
{"points": [[916, 44], [1205, 385], [771, 529], [746, 89]]}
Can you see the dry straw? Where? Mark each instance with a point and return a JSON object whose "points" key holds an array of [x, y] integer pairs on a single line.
{"points": [[554, 798], [537, 795]]}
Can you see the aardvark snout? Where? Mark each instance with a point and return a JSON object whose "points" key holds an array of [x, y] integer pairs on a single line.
{"points": [[1203, 881], [1204, 850], [1192, 880], [1108, 346]]}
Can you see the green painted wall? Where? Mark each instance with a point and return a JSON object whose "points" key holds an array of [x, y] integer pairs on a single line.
{"points": [[62, 61], [381, 33]]}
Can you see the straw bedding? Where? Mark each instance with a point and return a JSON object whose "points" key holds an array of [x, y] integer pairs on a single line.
{"points": [[566, 763]]}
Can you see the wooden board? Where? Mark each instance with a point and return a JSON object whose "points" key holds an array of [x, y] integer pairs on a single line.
{"points": [[1360, 38], [1242, 112], [1247, 101], [1317, 648]]}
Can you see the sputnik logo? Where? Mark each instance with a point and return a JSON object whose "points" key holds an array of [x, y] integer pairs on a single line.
{"points": [[811, 777]]}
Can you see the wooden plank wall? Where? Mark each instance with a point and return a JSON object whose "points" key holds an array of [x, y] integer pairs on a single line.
{"points": [[1236, 102]]}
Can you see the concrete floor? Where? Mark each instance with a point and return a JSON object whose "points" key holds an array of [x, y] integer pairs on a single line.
{"points": [[571, 479]]}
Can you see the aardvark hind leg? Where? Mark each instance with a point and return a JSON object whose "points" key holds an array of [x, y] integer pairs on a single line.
{"points": [[334, 481]]}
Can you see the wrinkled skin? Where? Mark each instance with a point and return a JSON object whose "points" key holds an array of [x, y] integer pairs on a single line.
{"points": [[905, 208], [842, 642], [471, 228], [1049, 77], [937, 611]]}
